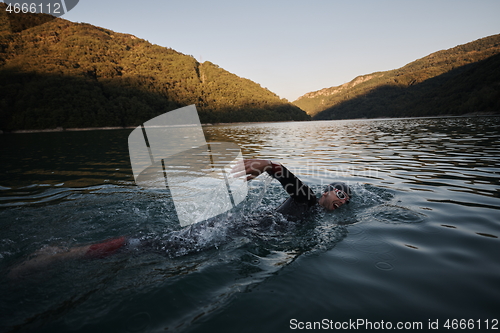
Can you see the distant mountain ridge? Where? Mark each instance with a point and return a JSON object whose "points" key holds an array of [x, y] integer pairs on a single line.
{"points": [[56, 73], [459, 80]]}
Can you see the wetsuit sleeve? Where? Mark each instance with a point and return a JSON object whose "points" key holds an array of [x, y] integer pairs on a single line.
{"points": [[292, 185]]}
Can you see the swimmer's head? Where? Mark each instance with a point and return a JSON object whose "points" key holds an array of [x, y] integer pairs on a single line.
{"points": [[335, 195]]}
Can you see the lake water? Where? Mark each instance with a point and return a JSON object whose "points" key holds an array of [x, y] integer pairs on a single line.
{"points": [[418, 243]]}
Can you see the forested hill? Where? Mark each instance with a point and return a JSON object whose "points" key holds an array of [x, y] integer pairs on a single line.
{"points": [[70, 75], [460, 80]]}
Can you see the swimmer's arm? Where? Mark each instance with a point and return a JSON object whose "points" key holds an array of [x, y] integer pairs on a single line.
{"points": [[292, 185], [299, 191], [255, 167]]}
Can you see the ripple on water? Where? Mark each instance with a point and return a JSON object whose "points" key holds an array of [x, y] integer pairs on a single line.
{"points": [[396, 214], [373, 246], [350, 259], [384, 266]]}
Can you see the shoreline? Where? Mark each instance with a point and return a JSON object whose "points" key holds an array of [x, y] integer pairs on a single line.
{"points": [[61, 129], [78, 129]]}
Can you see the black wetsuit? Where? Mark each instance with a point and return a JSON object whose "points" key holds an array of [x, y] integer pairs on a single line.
{"points": [[301, 199]]}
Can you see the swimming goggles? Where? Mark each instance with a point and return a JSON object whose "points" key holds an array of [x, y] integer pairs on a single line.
{"points": [[340, 194]]}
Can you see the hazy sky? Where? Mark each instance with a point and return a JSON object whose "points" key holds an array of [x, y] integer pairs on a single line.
{"points": [[294, 47]]}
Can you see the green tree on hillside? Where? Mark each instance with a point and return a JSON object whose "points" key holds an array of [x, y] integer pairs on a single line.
{"points": [[63, 74]]}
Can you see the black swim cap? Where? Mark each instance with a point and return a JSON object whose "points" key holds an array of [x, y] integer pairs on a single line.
{"points": [[340, 186]]}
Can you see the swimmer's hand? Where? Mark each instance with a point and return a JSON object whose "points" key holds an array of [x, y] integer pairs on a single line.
{"points": [[253, 168]]}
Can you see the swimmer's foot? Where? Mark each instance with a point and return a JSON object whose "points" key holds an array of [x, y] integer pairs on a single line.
{"points": [[43, 258]]}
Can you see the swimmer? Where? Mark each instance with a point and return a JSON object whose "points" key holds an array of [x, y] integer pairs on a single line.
{"points": [[302, 199]]}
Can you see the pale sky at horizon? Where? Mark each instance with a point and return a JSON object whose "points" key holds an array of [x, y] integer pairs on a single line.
{"points": [[295, 47]]}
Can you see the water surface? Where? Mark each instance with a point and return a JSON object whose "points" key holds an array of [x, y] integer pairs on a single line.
{"points": [[418, 242]]}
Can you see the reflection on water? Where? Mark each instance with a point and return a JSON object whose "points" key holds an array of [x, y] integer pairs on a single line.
{"points": [[423, 224]]}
